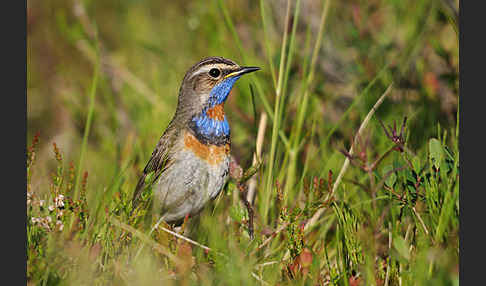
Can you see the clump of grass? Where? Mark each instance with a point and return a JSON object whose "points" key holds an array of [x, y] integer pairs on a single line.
{"points": [[53, 216]]}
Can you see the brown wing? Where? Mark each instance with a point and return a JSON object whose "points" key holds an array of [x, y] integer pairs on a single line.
{"points": [[159, 161]]}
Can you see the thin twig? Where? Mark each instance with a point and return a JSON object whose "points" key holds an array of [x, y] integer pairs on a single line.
{"points": [[360, 130], [399, 197], [387, 174], [259, 279], [266, 264], [273, 235], [249, 208], [319, 212], [421, 221], [373, 165], [146, 239], [188, 240]]}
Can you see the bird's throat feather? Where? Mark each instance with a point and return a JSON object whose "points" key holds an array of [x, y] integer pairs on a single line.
{"points": [[210, 125]]}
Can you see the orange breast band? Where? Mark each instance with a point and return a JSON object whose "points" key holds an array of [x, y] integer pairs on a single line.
{"points": [[210, 153]]}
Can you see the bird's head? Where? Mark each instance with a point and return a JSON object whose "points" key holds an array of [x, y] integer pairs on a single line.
{"points": [[204, 90]]}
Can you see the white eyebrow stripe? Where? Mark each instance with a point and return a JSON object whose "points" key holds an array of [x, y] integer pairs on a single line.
{"points": [[203, 69], [207, 68]]}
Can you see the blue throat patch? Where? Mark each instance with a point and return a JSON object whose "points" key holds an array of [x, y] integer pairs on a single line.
{"points": [[209, 129], [220, 92]]}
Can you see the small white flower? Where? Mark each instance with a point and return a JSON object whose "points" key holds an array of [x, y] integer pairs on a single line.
{"points": [[59, 201], [60, 225], [41, 203], [50, 208], [29, 198], [44, 222]]}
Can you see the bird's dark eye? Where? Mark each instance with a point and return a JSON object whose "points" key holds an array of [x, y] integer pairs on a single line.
{"points": [[214, 73]]}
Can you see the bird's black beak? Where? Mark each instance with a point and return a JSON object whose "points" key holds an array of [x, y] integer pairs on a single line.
{"points": [[242, 71]]}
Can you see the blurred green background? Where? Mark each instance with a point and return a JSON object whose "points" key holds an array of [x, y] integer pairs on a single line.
{"points": [[146, 47]]}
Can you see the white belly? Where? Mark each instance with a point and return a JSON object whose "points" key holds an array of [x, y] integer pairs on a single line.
{"points": [[188, 184]]}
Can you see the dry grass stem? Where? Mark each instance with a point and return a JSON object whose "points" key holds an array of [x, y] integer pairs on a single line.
{"points": [[319, 212], [262, 125]]}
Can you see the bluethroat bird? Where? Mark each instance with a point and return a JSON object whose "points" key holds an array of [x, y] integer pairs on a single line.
{"points": [[190, 163]]}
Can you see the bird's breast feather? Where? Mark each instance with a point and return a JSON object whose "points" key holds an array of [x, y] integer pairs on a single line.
{"points": [[212, 154]]}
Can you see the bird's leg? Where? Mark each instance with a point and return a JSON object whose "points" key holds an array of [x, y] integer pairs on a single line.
{"points": [[182, 228]]}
